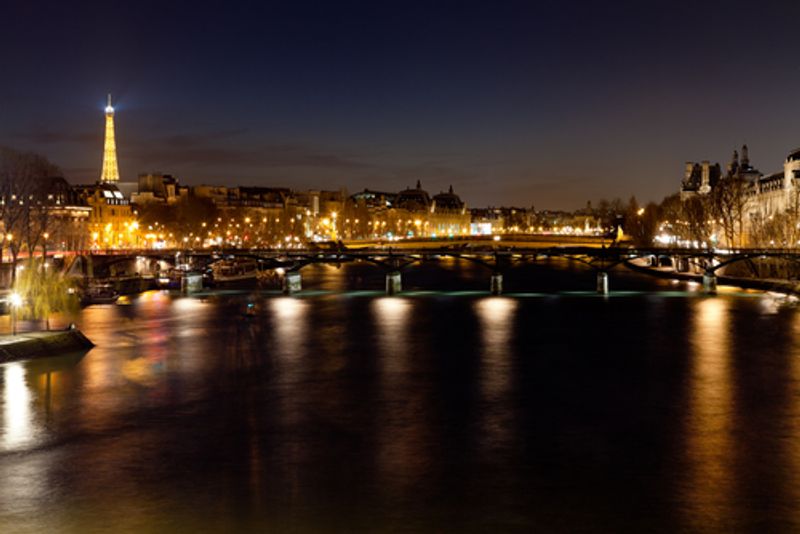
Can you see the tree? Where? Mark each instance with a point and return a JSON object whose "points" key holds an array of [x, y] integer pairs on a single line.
{"points": [[641, 224], [45, 291], [23, 214], [728, 205]]}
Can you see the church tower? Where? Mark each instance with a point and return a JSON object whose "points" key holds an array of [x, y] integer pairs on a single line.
{"points": [[110, 173]]}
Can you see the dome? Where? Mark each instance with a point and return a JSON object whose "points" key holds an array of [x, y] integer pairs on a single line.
{"points": [[448, 201], [413, 199]]}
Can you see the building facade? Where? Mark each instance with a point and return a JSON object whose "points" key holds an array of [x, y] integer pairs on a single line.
{"points": [[763, 196]]}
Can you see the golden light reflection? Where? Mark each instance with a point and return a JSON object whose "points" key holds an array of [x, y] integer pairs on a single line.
{"points": [[792, 439], [290, 328], [188, 305], [709, 440], [391, 314], [496, 316], [140, 371], [193, 319], [290, 316], [18, 425], [403, 434]]}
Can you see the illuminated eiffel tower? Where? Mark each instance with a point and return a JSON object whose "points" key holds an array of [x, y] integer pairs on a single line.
{"points": [[110, 169]]}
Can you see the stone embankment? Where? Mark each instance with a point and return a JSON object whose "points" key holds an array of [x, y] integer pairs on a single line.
{"points": [[30, 345], [791, 287]]}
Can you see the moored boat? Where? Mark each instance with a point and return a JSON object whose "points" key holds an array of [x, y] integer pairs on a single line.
{"points": [[234, 271], [99, 293]]}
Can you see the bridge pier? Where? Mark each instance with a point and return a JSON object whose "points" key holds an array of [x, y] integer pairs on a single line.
{"points": [[709, 283], [602, 282], [394, 283], [292, 282], [191, 282], [496, 284]]}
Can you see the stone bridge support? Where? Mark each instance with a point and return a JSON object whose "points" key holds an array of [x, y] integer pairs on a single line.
{"points": [[292, 282], [496, 284], [191, 283], [602, 282], [394, 282], [709, 283]]}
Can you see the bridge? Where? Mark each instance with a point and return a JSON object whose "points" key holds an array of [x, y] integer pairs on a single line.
{"points": [[495, 257]]}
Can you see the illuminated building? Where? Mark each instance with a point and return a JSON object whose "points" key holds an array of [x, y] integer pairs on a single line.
{"points": [[449, 215], [158, 188], [68, 216], [415, 214], [764, 195], [111, 223], [110, 172], [497, 220]]}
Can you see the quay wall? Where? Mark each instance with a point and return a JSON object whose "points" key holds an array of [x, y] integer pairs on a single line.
{"points": [[30, 345]]}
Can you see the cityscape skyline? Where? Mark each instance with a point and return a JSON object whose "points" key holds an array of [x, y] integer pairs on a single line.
{"points": [[513, 104]]}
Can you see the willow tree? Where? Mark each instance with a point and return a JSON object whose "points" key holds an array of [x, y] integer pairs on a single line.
{"points": [[45, 291]]}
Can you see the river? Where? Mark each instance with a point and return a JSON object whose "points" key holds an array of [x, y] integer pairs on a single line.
{"points": [[549, 409]]}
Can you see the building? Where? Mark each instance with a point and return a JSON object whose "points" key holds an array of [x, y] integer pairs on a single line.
{"points": [[763, 195], [449, 215], [111, 223], [68, 216], [498, 220], [157, 188]]}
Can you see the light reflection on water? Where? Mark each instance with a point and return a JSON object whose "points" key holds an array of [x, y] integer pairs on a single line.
{"points": [[19, 426], [441, 411], [710, 483], [496, 317], [403, 453]]}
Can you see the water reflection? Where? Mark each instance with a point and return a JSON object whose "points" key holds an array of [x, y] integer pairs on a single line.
{"points": [[409, 413], [392, 316], [496, 316], [289, 319], [403, 433], [791, 438], [709, 483], [18, 427], [290, 329]]}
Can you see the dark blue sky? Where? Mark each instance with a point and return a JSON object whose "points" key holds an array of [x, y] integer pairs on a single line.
{"points": [[548, 103]]}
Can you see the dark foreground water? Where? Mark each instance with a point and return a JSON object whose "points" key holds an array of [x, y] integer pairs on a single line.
{"points": [[551, 410]]}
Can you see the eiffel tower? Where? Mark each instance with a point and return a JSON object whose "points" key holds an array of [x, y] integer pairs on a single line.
{"points": [[110, 173]]}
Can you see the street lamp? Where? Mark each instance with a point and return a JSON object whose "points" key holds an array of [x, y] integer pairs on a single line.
{"points": [[16, 301]]}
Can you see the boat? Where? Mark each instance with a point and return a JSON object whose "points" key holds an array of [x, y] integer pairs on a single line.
{"points": [[171, 279], [99, 293], [180, 278], [234, 271]]}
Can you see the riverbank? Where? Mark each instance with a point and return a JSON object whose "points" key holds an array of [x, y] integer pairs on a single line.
{"points": [[790, 287], [30, 345]]}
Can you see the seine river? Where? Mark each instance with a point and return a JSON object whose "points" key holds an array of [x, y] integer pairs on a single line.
{"points": [[550, 409]]}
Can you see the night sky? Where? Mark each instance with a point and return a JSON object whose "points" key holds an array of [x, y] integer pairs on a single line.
{"points": [[533, 103]]}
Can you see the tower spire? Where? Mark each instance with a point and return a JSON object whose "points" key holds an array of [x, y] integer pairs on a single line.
{"points": [[110, 172]]}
